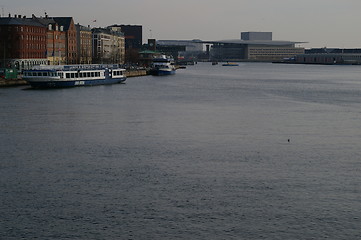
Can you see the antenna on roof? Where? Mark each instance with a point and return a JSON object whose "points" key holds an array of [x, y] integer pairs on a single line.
{"points": [[2, 11]]}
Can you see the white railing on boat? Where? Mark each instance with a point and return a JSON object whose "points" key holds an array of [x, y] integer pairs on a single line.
{"points": [[76, 67]]}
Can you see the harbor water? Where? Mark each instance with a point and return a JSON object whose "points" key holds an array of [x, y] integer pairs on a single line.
{"points": [[255, 151]]}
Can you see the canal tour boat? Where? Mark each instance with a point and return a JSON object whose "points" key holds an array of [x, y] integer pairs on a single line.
{"points": [[163, 65], [61, 76]]}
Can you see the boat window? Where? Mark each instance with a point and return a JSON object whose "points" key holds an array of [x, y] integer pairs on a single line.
{"points": [[60, 75], [72, 75], [45, 74], [76, 75], [92, 74]]}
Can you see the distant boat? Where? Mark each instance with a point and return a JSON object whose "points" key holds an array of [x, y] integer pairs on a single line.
{"points": [[163, 65], [230, 64], [60, 76]]}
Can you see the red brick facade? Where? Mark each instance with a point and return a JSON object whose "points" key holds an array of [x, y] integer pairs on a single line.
{"points": [[20, 41]]}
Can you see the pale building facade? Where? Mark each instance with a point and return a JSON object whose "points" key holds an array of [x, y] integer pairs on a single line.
{"points": [[108, 46]]}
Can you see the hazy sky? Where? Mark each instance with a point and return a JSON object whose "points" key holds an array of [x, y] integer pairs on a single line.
{"points": [[322, 23]]}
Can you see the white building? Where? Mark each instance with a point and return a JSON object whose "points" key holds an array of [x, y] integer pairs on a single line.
{"points": [[108, 46]]}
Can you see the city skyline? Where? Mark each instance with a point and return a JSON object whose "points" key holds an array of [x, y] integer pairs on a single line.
{"points": [[321, 23]]}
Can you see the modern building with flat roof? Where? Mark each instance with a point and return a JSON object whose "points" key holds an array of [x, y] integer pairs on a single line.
{"points": [[253, 46], [191, 48], [330, 56], [265, 36]]}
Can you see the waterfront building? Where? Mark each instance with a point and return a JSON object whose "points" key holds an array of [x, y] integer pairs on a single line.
{"points": [[71, 50], [108, 46], [253, 46], [256, 36], [56, 40], [330, 56], [190, 49], [22, 42], [84, 44], [133, 35]]}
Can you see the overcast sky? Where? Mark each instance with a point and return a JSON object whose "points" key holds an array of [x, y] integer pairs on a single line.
{"points": [[322, 23]]}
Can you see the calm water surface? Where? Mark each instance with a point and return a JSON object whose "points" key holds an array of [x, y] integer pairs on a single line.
{"points": [[203, 154]]}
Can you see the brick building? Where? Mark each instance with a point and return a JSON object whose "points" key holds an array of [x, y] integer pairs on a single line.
{"points": [[71, 50], [84, 42], [56, 40], [22, 42]]}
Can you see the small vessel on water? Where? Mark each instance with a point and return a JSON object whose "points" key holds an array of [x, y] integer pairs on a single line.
{"points": [[61, 76], [163, 65], [230, 64]]}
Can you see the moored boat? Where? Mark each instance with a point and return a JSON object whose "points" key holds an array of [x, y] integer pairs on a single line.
{"points": [[163, 65], [60, 76], [229, 64]]}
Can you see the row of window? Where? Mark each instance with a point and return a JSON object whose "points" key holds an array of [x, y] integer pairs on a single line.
{"points": [[56, 36], [71, 75], [68, 75], [25, 29], [41, 74], [32, 38], [117, 73], [34, 46], [272, 54], [83, 75]]}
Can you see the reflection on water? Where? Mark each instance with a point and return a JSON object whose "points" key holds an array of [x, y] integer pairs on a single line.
{"points": [[203, 154]]}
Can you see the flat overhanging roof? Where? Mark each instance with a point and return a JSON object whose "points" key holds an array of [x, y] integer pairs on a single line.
{"points": [[253, 42]]}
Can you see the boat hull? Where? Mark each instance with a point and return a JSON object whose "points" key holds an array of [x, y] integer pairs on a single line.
{"points": [[160, 72], [73, 83]]}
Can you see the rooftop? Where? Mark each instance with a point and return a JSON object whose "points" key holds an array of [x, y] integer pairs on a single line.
{"points": [[19, 21], [254, 42]]}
